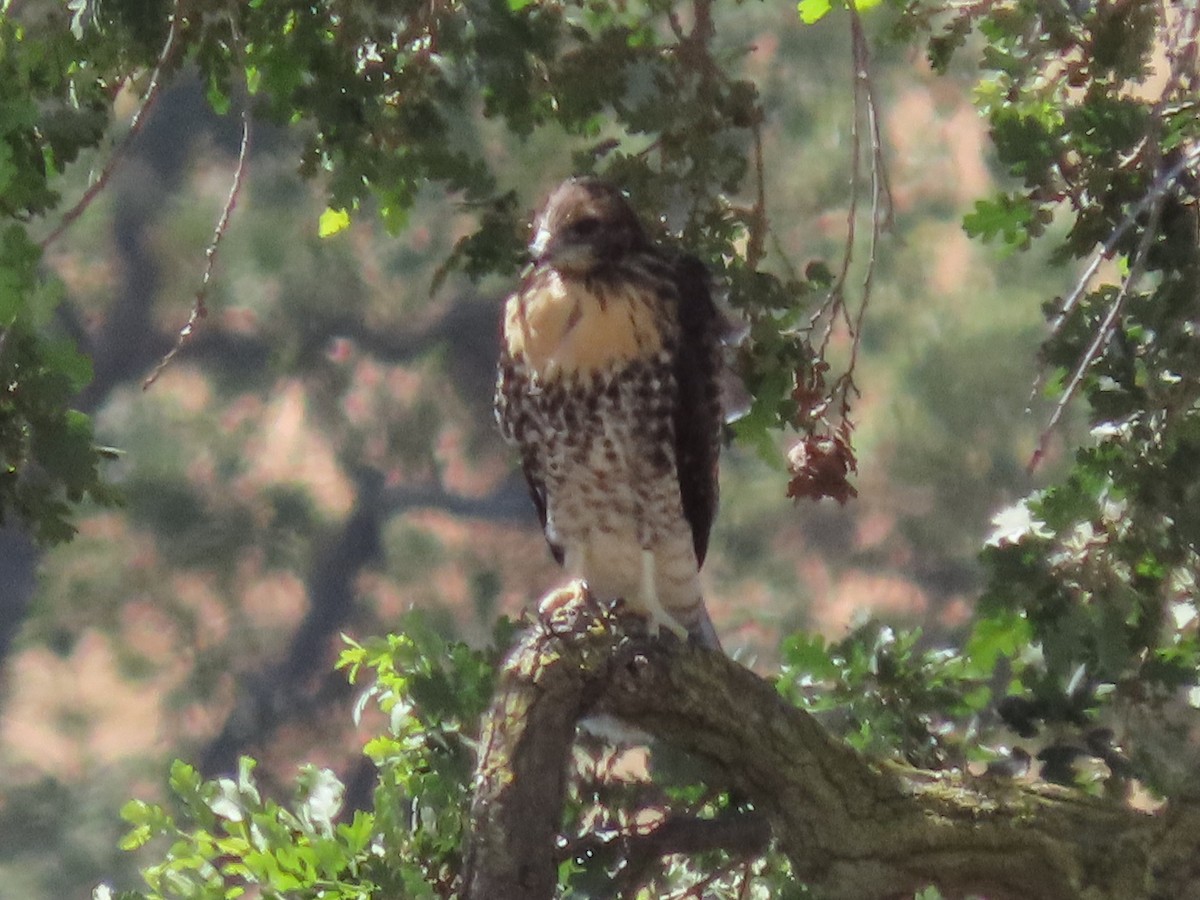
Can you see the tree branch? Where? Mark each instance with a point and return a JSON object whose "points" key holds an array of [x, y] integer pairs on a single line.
{"points": [[199, 303], [850, 828], [739, 834], [166, 59]]}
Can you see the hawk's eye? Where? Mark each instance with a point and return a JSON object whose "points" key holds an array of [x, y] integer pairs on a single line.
{"points": [[585, 228]]}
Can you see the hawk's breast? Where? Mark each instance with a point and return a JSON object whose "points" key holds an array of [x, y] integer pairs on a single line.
{"points": [[588, 392], [561, 326]]}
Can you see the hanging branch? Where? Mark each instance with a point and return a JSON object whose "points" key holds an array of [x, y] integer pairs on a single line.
{"points": [[759, 224], [865, 108], [166, 57], [199, 306], [820, 463], [881, 203], [1103, 333]]}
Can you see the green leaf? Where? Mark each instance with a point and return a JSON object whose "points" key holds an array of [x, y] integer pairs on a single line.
{"points": [[320, 798], [357, 834], [1005, 635], [332, 221], [812, 11], [63, 356], [806, 655], [137, 837]]}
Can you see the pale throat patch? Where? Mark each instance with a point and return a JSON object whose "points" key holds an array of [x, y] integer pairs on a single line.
{"points": [[560, 327]]}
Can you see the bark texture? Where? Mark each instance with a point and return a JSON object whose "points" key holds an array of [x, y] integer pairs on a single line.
{"points": [[850, 828]]}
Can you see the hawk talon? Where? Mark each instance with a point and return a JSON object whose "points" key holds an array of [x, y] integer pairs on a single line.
{"points": [[560, 610]]}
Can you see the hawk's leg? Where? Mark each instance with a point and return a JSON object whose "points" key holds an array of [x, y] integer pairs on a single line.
{"points": [[659, 617]]}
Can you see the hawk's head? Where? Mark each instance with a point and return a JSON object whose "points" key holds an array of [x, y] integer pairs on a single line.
{"points": [[585, 224]]}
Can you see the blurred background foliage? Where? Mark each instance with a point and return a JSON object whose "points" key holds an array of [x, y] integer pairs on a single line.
{"points": [[320, 458]]}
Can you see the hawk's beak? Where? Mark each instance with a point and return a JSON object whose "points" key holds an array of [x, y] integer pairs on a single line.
{"points": [[537, 247]]}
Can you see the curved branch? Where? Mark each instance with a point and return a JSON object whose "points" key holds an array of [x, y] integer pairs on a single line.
{"points": [[199, 304], [851, 828]]}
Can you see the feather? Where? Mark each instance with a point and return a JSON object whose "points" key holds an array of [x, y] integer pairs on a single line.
{"points": [[697, 417]]}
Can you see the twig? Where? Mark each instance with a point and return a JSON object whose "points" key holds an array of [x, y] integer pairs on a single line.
{"points": [[1161, 186], [165, 57], [834, 299], [784, 258], [199, 308], [881, 196], [740, 835], [758, 215], [1103, 333], [1180, 49], [835, 308]]}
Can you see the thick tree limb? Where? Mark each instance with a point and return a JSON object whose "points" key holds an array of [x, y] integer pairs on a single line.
{"points": [[850, 828]]}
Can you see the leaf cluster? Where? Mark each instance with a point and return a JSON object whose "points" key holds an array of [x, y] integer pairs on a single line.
{"points": [[53, 105], [227, 838], [1102, 566], [395, 97], [889, 694]]}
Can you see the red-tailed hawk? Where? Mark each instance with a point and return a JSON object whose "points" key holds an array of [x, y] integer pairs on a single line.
{"points": [[609, 387]]}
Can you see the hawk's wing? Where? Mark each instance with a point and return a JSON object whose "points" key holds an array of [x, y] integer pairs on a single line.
{"points": [[511, 386], [537, 490], [698, 407]]}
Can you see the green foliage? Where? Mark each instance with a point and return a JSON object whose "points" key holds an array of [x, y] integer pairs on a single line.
{"points": [[653, 108], [48, 458], [434, 695], [225, 838], [1014, 219], [1102, 566], [813, 11], [889, 696], [49, 112], [396, 98]]}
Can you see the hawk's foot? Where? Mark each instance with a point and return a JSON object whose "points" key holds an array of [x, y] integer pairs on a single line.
{"points": [[562, 610], [643, 624], [660, 619], [667, 624]]}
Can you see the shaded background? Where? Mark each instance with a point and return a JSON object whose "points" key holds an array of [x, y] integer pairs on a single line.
{"points": [[321, 457]]}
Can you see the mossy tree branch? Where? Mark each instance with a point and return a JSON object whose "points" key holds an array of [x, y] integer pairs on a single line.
{"points": [[850, 828]]}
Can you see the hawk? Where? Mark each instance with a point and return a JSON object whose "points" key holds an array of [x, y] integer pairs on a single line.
{"points": [[608, 385]]}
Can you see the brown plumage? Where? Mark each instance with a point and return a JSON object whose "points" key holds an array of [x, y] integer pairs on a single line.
{"points": [[608, 386]]}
